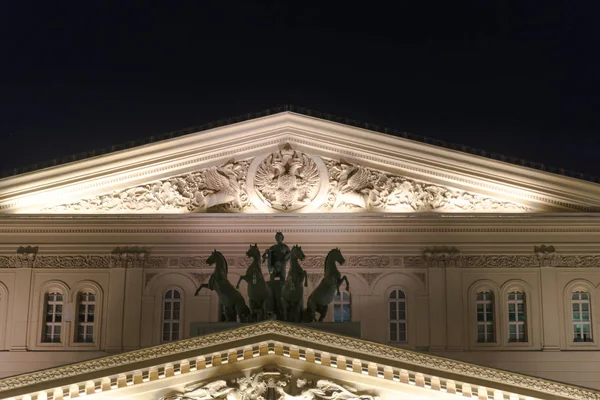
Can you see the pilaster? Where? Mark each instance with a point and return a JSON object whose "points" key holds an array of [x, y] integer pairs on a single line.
{"points": [[21, 310], [437, 309]]}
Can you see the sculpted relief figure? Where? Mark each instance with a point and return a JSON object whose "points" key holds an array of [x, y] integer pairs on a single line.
{"points": [[268, 385], [352, 187], [220, 188], [287, 180]]}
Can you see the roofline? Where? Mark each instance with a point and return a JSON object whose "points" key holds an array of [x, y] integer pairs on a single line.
{"points": [[302, 111]]}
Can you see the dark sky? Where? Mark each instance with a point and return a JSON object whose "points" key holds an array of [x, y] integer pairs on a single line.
{"points": [[519, 78]]}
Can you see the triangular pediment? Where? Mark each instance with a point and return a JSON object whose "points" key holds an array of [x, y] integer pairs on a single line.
{"points": [[280, 361], [292, 163]]}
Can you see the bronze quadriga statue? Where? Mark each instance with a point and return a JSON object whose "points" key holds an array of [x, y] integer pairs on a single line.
{"points": [[259, 294], [232, 301]]}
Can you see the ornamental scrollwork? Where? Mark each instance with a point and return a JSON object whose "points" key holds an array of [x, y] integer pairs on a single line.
{"points": [[354, 187], [216, 189], [256, 387]]}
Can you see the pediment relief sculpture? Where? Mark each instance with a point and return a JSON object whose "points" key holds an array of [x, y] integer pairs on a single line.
{"points": [[268, 385], [288, 180]]}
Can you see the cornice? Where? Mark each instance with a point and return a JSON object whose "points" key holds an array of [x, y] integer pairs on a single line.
{"points": [[291, 335], [71, 182]]}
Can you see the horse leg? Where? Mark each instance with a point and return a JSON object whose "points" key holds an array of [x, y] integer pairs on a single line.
{"points": [[345, 278], [204, 285], [242, 278], [322, 310], [230, 314], [242, 311]]}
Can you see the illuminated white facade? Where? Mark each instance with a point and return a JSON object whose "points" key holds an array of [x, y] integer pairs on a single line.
{"points": [[447, 253]]}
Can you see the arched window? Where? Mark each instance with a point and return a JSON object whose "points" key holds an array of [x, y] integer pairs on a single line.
{"points": [[171, 315], [53, 310], [86, 313], [397, 316], [485, 317], [341, 307], [517, 317], [582, 324]]}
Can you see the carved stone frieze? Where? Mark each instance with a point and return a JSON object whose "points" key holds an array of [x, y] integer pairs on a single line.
{"points": [[370, 277], [545, 254], [354, 187], [576, 261], [442, 257], [287, 180], [73, 262], [268, 385], [499, 261], [311, 263], [200, 277], [314, 278], [221, 188]]}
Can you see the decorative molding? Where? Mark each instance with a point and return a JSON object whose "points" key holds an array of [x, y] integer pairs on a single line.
{"points": [[499, 261], [257, 385], [354, 187], [129, 257], [315, 278], [422, 277], [432, 258], [218, 189], [291, 333], [149, 277], [545, 254], [370, 277], [200, 277], [442, 257], [285, 181], [64, 262]]}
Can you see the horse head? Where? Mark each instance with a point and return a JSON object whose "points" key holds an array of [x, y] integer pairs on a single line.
{"points": [[334, 256], [297, 253], [220, 261], [253, 252]]}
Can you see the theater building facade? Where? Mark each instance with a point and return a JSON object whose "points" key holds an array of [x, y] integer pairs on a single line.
{"points": [[467, 274]]}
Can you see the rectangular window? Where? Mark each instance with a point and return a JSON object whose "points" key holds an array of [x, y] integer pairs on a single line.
{"points": [[86, 309], [53, 318], [582, 324], [485, 317], [517, 320], [397, 316], [171, 315], [341, 307]]}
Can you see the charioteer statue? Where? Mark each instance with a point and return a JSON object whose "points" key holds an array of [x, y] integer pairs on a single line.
{"points": [[277, 258]]}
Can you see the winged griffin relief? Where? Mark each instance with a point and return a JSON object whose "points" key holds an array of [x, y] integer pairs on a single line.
{"points": [[353, 187], [220, 188], [268, 386], [288, 180]]}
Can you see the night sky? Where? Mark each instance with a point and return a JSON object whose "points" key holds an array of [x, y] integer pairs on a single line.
{"points": [[518, 78]]}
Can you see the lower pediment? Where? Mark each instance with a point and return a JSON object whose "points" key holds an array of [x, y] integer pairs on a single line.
{"points": [[287, 180], [274, 360]]}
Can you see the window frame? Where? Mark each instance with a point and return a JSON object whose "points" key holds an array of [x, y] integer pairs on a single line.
{"points": [[96, 289], [580, 302], [38, 326], [341, 303], [470, 319], [490, 326], [516, 323], [61, 324], [86, 324], [398, 321], [567, 339], [163, 301]]}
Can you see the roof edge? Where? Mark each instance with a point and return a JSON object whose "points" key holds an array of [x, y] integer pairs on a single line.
{"points": [[302, 111]]}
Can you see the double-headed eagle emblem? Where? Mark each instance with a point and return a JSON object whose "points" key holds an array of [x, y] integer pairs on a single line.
{"points": [[288, 179]]}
